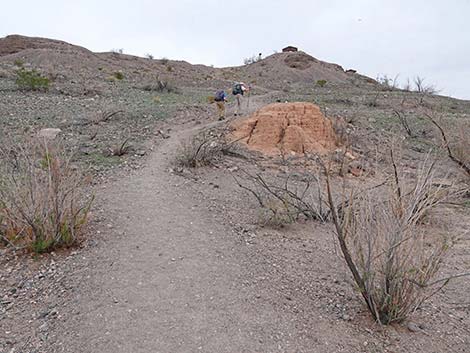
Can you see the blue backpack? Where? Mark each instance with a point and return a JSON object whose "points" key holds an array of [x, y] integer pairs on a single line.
{"points": [[219, 96]]}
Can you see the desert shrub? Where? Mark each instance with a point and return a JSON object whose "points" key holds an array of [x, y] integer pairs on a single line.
{"points": [[372, 101], [423, 88], [454, 138], [321, 83], [31, 80], [203, 149], [149, 56], [392, 259], [121, 149], [286, 200], [18, 63], [387, 82], [160, 86], [251, 60], [118, 75], [164, 61], [404, 122], [169, 68], [42, 203]]}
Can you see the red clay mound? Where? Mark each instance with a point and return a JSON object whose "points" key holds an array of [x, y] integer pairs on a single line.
{"points": [[286, 127]]}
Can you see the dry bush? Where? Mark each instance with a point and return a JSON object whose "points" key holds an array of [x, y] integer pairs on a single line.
{"points": [[392, 259], [121, 149], [161, 86], [42, 203], [403, 119], [203, 149], [285, 201], [423, 88], [388, 83], [455, 139]]}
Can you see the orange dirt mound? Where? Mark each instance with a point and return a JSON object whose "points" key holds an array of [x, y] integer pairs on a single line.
{"points": [[286, 128]]}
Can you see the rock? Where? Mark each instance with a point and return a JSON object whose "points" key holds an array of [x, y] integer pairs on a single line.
{"points": [[356, 168], [49, 133], [412, 327]]}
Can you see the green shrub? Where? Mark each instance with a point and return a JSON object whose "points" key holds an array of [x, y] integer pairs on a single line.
{"points": [[321, 83], [119, 75], [18, 63], [31, 80]]}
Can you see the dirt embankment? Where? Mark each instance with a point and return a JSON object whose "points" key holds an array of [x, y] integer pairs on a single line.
{"points": [[278, 128]]}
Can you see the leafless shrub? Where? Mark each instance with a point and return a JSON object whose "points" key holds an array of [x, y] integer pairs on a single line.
{"points": [[251, 60], [285, 201], [373, 101], [387, 82], [101, 116], [402, 118], [121, 149], [421, 87], [42, 203], [407, 85], [203, 149], [149, 56], [393, 261], [160, 86], [458, 147]]}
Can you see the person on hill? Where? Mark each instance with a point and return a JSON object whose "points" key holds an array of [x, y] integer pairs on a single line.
{"points": [[220, 98], [238, 91]]}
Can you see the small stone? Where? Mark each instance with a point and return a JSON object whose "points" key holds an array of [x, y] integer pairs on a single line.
{"points": [[49, 133], [412, 327]]}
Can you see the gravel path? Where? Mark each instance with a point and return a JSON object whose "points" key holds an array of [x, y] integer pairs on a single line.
{"points": [[173, 282]]}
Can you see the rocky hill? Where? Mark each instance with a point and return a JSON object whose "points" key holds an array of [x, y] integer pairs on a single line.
{"points": [[67, 62]]}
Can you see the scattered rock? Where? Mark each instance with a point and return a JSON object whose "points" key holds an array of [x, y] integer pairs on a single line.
{"points": [[49, 133]]}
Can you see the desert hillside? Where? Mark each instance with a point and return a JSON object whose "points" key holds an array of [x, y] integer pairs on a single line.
{"points": [[133, 219]]}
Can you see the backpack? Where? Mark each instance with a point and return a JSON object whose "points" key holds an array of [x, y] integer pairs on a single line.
{"points": [[237, 89], [219, 96]]}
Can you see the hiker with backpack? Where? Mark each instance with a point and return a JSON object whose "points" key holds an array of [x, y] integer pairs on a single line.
{"points": [[238, 91], [220, 98]]}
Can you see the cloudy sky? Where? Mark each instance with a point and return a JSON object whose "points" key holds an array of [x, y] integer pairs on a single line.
{"points": [[393, 37]]}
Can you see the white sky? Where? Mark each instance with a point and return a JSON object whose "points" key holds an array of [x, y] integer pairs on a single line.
{"points": [[413, 37]]}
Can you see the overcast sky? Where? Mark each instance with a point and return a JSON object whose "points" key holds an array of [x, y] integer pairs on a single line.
{"points": [[394, 37]]}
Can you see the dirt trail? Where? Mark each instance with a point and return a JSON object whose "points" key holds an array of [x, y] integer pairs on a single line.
{"points": [[173, 281]]}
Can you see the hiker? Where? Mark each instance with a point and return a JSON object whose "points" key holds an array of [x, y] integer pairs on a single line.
{"points": [[238, 91], [220, 98]]}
